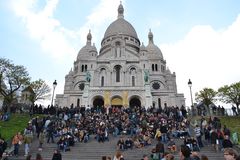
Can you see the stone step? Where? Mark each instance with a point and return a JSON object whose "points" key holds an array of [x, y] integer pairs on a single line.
{"points": [[94, 151]]}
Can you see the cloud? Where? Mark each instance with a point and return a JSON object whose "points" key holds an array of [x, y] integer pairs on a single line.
{"points": [[97, 21], [56, 40], [210, 58], [43, 27]]}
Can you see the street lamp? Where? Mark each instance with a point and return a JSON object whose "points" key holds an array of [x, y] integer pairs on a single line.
{"points": [[54, 86], [190, 86]]}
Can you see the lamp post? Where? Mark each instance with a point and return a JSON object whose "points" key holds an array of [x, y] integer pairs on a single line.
{"points": [[190, 86], [54, 86]]}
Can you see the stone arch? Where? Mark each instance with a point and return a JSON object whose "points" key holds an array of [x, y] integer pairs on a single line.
{"points": [[77, 85], [118, 69], [97, 101], [154, 104], [103, 67], [135, 101], [162, 85], [132, 67], [117, 101]]}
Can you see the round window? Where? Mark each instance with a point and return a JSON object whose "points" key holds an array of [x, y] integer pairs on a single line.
{"points": [[81, 86], [156, 85]]}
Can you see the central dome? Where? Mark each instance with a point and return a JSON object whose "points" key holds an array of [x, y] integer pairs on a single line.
{"points": [[120, 26]]}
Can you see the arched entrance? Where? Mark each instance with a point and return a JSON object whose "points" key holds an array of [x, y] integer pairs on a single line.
{"points": [[98, 103], [135, 102], [117, 102]]}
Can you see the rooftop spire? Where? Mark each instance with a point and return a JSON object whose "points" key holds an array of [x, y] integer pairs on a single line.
{"points": [[120, 10], [150, 36], [89, 37]]}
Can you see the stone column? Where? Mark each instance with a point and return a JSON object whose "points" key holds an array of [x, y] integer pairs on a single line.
{"points": [[148, 95], [85, 95]]}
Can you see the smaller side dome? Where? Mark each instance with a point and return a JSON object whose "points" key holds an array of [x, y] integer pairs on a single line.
{"points": [[87, 50], [153, 50], [143, 48]]}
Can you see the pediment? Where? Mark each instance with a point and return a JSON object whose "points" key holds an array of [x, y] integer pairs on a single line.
{"points": [[128, 55]]}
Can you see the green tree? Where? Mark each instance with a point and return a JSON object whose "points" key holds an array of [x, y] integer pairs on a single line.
{"points": [[41, 90], [12, 79], [230, 94], [207, 96]]}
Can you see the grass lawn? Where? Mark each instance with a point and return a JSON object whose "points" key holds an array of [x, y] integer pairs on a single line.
{"points": [[16, 123], [233, 123]]}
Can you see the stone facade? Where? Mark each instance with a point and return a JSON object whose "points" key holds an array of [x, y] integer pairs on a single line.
{"points": [[123, 73]]}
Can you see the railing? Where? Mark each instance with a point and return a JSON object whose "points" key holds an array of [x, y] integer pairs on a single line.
{"points": [[227, 112]]}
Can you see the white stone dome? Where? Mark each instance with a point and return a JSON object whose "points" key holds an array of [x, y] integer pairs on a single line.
{"points": [[85, 52], [153, 50], [120, 26]]}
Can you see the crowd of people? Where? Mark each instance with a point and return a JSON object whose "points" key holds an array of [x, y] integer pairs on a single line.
{"points": [[135, 127]]}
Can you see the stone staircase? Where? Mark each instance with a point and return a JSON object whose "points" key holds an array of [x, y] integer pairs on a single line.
{"points": [[94, 151]]}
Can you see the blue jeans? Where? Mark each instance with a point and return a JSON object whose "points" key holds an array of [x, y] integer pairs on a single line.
{"points": [[16, 148], [26, 149], [164, 137]]}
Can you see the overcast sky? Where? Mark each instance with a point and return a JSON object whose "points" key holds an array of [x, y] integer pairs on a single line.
{"points": [[199, 39]]}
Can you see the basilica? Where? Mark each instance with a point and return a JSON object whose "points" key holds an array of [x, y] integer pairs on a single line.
{"points": [[124, 73]]}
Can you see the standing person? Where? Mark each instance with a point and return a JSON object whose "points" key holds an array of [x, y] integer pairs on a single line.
{"points": [[198, 134], [164, 131], [57, 155], [17, 140], [50, 130], [41, 140], [213, 138], [28, 135], [159, 148]]}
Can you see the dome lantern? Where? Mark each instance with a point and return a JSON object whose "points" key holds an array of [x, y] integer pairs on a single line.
{"points": [[89, 38], [120, 10], [150, 36]]}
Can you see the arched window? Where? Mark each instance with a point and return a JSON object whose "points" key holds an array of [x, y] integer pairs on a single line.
{"points": [[118, 69], [156, 67], [133, 81], [152, 67], [78, 102], [85, 68], [102, 81], [159, 103], [82, 68], [118, 49]]}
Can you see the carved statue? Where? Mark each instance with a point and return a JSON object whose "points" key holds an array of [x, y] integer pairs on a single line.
{"points": [[88, 76], [146, 75]]}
